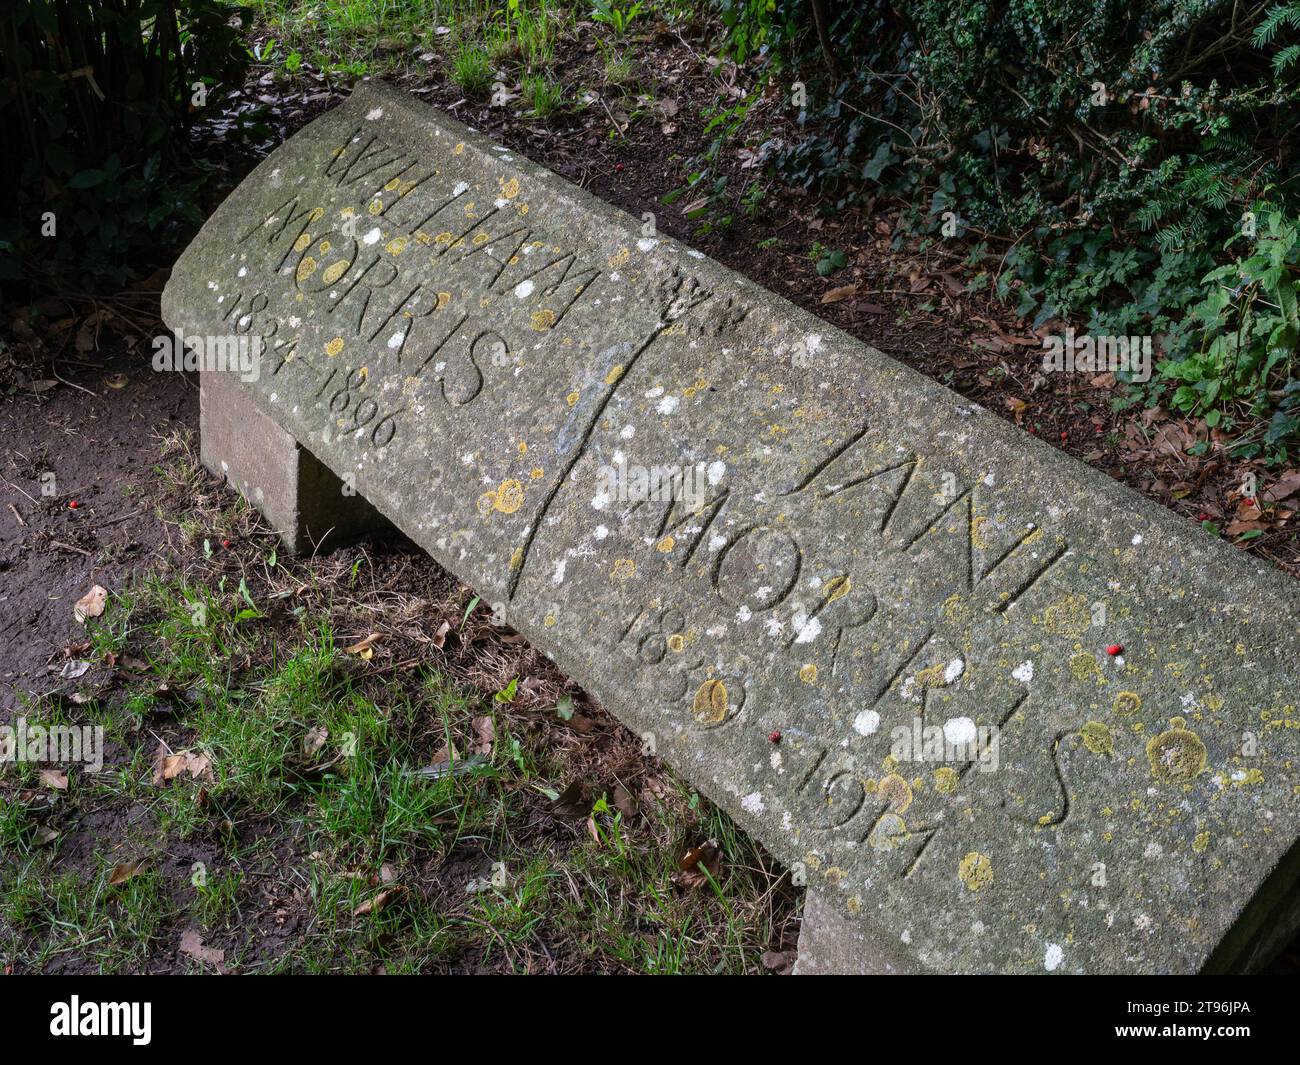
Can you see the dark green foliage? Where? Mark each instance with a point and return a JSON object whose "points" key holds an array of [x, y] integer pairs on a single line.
{"points": [[1118, 149], [94, 99]]}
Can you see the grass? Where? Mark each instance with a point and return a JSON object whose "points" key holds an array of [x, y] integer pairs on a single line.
{"points": [[374, 37], [544, 96], [471, 69], [321, 811]]}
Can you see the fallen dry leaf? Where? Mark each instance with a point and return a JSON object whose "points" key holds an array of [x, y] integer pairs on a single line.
{"points": [[379, 901], [440, 636], [364, 648], [192, 944], [572, 802], [54, 778], [90, 605], [444, 757], [123, 871], [696, 861], [315, 739], [1286, 486], [624, 802], [485, 735], [169, 766], [841, 292]]}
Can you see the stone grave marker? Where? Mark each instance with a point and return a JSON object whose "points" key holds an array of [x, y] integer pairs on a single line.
{"points": [[877, 624]]}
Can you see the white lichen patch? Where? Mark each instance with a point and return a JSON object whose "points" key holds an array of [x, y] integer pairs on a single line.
{"points": [[959, 730], [866, 723]]}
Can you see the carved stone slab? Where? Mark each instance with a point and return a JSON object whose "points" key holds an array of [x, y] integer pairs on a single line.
{"points": [[876, 623]]}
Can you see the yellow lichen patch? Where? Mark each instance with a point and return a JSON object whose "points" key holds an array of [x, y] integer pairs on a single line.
{"points": [[1084, 666], [393, 185], [334, 347], [977, 536], [444, 298], [946, 780], [458, 149], [808, 673], [619, 258], [676, 642], [710, 703], [1127, 703], [486, 502], [665, 545], [396, 246], [517, 558], [975, 871], [854, 904], [548, 621], [896, 791], [522, 208], [935, 676], [1201, 842], [1097, 738], [541, 320], [375, 207], [305, 268], [334, 271], [537, 473], [956, 610], [509, 497], [510, 189], [572, 398], [1068, 617], [480, 238], [523, 447], [837, 587], [303, 242], [317, 213], [614, 374], [1176, 755], [624, 569]]}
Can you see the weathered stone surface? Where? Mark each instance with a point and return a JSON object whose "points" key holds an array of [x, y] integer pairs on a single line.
{"points": [[301, 497], [867, 551]]}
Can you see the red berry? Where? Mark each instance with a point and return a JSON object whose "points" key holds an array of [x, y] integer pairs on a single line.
{"points": [[618, 168], [73, 504], [774, 736], [225, 543], [1115, 649], [1065, 435], [1202, 516]]}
